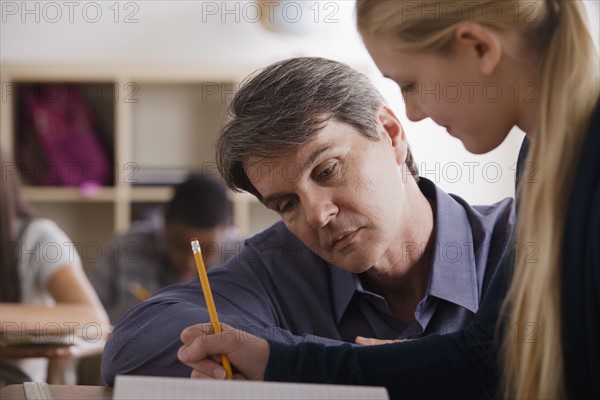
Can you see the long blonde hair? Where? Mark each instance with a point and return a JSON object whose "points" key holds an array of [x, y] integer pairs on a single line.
{"points": [[569, 88]]}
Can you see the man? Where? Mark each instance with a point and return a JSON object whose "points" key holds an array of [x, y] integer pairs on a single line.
{"points": [[154, 253], [365, 247]]}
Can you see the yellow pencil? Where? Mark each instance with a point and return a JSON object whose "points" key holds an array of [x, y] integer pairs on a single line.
{"points": [[210, 303], [140, 292]]}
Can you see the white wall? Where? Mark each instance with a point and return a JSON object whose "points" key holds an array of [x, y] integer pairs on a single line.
{"points": [[228, 31], [170, 31]]}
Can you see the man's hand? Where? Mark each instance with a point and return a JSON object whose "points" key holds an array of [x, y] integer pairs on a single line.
{"points": [[202, 348], [363, 341]]}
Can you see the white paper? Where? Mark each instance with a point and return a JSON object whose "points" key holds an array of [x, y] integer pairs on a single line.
{"points": [[36, 391], [162, 388]]}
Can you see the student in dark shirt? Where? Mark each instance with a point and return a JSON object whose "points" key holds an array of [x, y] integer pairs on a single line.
{"points": [[155, 252], [548, 299]]}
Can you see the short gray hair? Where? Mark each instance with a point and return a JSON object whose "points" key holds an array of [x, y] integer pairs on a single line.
{"points": [[285, 105]]}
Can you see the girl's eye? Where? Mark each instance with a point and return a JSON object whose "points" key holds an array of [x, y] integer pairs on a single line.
{"points": [[408, 88]]}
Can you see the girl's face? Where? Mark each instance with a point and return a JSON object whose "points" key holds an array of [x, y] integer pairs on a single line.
{"points": [[474, 106]]}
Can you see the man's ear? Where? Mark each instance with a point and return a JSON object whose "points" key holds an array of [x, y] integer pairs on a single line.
{"points": [[482, 43], [394, 133]]}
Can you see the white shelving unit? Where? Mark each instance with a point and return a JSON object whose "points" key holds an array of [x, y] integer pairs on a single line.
{"points": [[156, 117]]}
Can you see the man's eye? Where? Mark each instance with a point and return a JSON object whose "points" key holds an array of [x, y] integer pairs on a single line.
{"points": [[328, 171], [288, 205]]}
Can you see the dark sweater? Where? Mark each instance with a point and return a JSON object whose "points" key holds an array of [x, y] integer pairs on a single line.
{"points": [[465, 364]]}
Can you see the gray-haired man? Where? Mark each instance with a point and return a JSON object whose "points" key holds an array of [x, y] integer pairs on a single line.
{"points": [[365, 247]]}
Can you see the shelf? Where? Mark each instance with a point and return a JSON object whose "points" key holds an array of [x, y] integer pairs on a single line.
{"points": [[71, 194], [243, 197], [149, 194], [167, 73], [151, 118], [67, 194]]}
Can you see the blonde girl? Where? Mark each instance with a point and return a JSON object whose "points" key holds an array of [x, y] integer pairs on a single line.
{"points": [[540, 55]]}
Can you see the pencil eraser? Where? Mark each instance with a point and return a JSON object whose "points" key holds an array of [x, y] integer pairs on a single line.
{"points": [[194, 239]]}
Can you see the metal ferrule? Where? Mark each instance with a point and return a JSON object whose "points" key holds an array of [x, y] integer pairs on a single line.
{"points": [[196, 247]]}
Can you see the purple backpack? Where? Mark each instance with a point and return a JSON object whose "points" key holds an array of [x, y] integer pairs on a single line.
{"points": [[57, 139]]}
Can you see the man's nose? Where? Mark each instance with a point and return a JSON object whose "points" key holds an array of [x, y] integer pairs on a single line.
{"points": [[319, 209]]}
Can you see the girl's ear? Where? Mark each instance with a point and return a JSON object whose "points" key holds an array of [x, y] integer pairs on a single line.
{"points": [[482, 43], [393, 133]]}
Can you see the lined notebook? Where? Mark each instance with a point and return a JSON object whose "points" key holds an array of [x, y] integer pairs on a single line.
{"points": [[160, 388]]}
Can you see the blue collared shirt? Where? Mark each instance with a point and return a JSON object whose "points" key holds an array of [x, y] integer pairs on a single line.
{"points": [[278, 289], [468, 244]]}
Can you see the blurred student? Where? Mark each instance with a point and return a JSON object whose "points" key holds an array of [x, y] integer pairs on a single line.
{"points": [[156, 251], [43, 281]]}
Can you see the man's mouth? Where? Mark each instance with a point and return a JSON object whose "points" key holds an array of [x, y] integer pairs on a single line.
{"points": [[342, 239]]}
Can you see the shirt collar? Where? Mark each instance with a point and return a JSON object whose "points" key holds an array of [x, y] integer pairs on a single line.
{"points": [[453, 272], [343, 287]]}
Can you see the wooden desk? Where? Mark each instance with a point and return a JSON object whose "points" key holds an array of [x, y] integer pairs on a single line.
{"points": [[60, 392], [57, 355]]}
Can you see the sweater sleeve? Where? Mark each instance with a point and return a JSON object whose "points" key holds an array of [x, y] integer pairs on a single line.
{"points": [[459, 365], [248, 296], [581, 274]]}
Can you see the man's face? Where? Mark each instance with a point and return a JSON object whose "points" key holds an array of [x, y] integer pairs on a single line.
{"points": [[342, 194], [180, 253]]}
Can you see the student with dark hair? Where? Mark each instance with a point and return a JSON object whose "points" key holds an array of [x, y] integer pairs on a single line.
{"points": [[156, 251], [42, 278]]}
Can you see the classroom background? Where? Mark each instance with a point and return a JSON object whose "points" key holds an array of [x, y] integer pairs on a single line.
{"points": [[157, 76]]}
